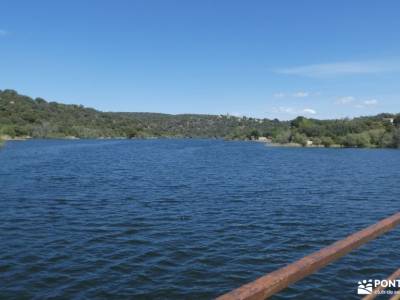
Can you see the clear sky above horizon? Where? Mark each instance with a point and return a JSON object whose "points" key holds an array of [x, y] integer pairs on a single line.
{"points": [[275, 59]]}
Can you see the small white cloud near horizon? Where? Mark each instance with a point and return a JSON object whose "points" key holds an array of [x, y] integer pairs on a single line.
{"points": [[286, 110], [345, 100], [343, 68], [293, 111], [370, 102], [310, 111], [301, 94]]}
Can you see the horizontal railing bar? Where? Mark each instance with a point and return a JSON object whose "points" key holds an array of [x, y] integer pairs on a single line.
{"points": [[278, 280]]}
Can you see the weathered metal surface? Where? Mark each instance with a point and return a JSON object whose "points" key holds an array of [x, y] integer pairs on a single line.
{"points": [[276, 281], [375, 294]]}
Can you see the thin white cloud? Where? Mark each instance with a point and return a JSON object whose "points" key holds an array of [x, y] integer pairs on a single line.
{"points": [[345, 100], [301, 94], [371, 102], [309, 111], [3, 32], [350, 100], [286, 110], [294, 111], [343, 68]]}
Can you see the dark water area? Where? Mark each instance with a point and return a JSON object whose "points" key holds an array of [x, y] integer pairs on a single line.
{"points": [[187, 219]]}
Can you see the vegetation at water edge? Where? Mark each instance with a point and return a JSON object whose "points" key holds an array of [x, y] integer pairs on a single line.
{"points": [[22, 116]]}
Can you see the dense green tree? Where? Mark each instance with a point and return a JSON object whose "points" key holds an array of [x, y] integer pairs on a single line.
{"points": [[396, 138], [283, 137], [300, 138], [327, 141], [254, 135], [396, 121], [357, 140]]}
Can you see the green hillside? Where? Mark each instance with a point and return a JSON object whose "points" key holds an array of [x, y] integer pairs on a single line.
{"points": [[22, 116], [37, 118]]}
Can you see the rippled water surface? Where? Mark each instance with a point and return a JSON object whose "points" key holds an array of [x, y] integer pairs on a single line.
{"points": [[187, 219]]}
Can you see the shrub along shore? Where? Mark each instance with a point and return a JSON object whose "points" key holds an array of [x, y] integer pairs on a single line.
{"points": [[22, 117]]}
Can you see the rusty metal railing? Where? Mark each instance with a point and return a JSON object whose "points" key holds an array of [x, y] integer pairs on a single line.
{"points": [[278, 280]]}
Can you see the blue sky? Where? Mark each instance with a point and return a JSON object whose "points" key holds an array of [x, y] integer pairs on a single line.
{"points": [[322, 59]]}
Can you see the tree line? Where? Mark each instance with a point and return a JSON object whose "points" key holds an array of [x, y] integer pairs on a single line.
{"points": [[22, 116]]}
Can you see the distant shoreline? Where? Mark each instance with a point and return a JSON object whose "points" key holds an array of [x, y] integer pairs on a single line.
{"points": [[22, 117], [4, 139]]}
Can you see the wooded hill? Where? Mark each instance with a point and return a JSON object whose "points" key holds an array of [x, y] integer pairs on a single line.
{"points": [[22, 116]]}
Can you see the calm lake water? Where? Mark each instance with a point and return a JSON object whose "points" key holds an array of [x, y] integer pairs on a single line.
{"points": [[187, 219]]}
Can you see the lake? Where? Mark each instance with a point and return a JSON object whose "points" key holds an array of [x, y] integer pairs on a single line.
{"points": [[187, 219]]}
